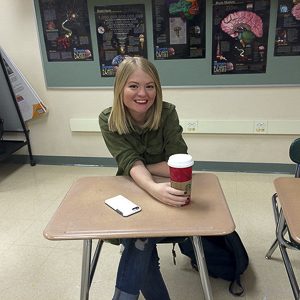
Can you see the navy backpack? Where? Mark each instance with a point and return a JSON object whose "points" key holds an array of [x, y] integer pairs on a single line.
{"points": [[226, 258]]}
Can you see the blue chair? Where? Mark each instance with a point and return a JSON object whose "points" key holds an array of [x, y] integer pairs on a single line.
{"points": [[294, 153], [283, 237]]}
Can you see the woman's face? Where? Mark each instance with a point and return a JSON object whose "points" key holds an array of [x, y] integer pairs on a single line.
{"points": [[139, 95]]}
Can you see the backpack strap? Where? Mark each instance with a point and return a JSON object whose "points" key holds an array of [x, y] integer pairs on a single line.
{"points": [[174, 254], [234, 242], [236, 288]]}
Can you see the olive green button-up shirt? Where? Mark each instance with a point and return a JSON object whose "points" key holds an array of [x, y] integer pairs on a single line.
{"points": [[149, 146]]}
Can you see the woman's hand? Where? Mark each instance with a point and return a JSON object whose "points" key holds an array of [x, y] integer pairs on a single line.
{"points": [[168, 195], [160, 191]]}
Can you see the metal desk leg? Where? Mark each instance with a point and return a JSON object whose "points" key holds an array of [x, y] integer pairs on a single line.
{"points": [[290, 272], [197, 243], [272, 249], [95, 260], [276, 217], [283, 245], [85, 270]]}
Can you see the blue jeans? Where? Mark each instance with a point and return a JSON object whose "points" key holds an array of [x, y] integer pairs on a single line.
{"points": [[139, 271]]}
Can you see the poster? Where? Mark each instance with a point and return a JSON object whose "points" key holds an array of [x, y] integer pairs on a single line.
{"points": [[30, 105], [66, 30], [121, 32], [287, 39], [178, 29], [240, 36]]}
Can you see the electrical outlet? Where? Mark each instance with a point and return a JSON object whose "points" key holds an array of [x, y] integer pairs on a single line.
{"points": [[190, 126], [260, 126]]}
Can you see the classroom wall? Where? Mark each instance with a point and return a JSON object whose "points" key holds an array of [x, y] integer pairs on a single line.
{"points": [[51, 135]]}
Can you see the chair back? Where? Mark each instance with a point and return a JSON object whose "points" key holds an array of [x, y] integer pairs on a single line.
{"points": [[295, 155]]}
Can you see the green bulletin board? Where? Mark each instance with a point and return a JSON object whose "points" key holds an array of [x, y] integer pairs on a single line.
{"points": [[281, 70]]}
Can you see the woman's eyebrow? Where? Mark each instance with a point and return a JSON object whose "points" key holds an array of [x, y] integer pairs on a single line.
{"points": [[136, 82]]}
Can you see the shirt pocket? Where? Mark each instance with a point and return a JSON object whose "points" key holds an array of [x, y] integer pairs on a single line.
{"points": [[154, 148], [154, 153]]}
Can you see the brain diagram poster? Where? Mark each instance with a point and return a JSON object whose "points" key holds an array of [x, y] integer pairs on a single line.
{"points": [[240, 37], [178, 29], [287, 40]]}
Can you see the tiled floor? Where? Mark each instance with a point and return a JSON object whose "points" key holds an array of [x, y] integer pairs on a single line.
{"points": [[32, 267]]}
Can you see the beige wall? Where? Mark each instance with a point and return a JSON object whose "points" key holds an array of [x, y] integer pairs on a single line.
{"points": [[51, 135]]}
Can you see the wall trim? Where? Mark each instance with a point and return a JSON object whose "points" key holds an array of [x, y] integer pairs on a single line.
{"points": [[212, 166], [198, 126]]}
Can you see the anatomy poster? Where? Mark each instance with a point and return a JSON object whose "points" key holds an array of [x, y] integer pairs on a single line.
{"points": [[121, 32], [240, 36], [178, 29], [66, 30], [287, 39]]}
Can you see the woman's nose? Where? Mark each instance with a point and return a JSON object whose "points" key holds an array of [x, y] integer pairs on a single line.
{"points": [[142, 90]]}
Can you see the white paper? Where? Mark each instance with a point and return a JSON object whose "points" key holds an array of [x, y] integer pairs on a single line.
{"points": [[31, 106]]}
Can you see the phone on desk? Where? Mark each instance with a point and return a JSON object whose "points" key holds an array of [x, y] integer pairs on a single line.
{"points": [[122, 205]]}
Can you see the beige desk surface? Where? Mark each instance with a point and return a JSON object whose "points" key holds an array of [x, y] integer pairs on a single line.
{"points": [[288, 190], [84, 215]]}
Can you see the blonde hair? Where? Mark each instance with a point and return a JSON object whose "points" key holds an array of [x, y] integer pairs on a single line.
{"points": [[120, 120]]}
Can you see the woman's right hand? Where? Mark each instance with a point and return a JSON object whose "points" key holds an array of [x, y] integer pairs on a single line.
{"points": [[162, 191], [168, 195]]}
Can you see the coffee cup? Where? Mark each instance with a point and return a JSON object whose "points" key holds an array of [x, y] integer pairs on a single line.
{"points": [[180, 166]]}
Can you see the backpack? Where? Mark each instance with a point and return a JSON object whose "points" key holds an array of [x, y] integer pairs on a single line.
{"points": [[226, 258]]}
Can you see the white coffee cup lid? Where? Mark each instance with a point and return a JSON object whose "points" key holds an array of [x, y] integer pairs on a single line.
{"points": [[180, 161]]}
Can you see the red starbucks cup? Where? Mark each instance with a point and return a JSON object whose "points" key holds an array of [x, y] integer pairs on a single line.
{"points": [[181, 172]]}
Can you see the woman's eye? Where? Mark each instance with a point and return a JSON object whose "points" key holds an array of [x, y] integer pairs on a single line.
{"points": [[151, 86], [133, 86]]}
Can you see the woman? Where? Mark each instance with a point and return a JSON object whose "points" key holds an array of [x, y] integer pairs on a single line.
{"points": [[141, 132]]}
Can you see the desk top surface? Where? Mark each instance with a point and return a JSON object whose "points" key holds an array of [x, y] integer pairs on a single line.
{"points": [[83, 214], [288, 191]]}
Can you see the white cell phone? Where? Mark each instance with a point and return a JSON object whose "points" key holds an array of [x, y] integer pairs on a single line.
{"points": [[123, 206]]}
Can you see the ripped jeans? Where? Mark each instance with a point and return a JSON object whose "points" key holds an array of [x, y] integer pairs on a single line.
{"points": [[139, 271]]}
